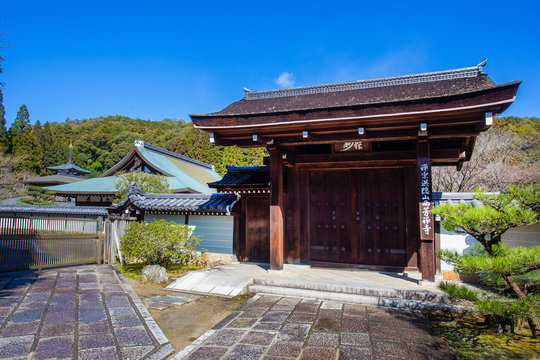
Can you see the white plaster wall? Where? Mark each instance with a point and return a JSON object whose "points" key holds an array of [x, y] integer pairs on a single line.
{"points": [[462, 243]]}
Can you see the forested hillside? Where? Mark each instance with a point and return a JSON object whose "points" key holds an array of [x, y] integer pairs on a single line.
{"points": [[101, 142]]}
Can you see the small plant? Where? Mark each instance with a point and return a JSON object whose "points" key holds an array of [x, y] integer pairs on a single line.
{"points": [[160, 243], [458, 291]]}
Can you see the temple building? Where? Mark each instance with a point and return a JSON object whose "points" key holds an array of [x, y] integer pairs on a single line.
{"points": [[63, 174], [184, 175], [349, 176]]}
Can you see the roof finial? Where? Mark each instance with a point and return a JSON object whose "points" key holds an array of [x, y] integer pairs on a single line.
{"points": [[481, 64], [70, 152]]}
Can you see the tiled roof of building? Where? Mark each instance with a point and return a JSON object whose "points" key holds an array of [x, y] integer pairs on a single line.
{"points": [[182, 173], [364, 92], [54, 210], [54, 179], [178, 203], [69, 166], [244, 177]]}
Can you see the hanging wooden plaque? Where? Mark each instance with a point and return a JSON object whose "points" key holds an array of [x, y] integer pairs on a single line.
{"points": [[352, 146]]}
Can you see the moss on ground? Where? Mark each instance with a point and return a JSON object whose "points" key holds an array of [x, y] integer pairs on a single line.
{"points": [[470, 338], [134, 270]]}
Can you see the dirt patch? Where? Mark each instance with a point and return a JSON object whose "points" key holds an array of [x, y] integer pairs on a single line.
{"points": [[182, 324]]}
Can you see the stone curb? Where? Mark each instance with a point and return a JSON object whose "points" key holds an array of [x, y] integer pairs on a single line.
{"points": [[165, 348], [188, 349], [358, 299]]}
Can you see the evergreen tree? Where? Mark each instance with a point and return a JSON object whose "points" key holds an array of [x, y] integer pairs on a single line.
{"points": [[508, 273], [37, 131], [37, 195], [23, 142], [3, 129]]}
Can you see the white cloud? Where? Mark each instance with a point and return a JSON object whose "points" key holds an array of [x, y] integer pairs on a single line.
{"points": [[285, 79]]}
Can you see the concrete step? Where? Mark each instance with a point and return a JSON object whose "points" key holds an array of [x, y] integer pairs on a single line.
{"points": [[424, 295], [373, 299]]}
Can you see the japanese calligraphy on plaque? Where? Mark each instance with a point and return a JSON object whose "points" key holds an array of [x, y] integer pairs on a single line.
{"points": [[352, 146], [426, 204]]}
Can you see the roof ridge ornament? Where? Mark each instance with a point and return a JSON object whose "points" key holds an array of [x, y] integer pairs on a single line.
{"points": [[139, 143], [467, 72]]}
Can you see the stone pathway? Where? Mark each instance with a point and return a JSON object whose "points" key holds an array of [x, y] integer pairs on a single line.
{"points": [[80, 312], [273, 327], [164, 302]]}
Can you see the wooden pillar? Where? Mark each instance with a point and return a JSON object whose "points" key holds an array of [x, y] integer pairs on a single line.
{"points": [[276, 210], [425, 204]]}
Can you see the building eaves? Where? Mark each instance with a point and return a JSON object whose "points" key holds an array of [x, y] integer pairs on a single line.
{"points": [[54, 210]]}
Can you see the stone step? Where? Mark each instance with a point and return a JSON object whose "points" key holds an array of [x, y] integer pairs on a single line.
{"points": [[426, 295], [356, 298]]}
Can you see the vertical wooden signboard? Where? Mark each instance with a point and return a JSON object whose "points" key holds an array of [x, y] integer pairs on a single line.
{"points": [[425, 205]]}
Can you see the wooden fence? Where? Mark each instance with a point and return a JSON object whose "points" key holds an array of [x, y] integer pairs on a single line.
{"points": [[33, 243]]}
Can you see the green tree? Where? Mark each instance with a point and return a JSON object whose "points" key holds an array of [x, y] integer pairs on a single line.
{"points": [[37, 195], [23, 142], [147, 182], [507, 272]]}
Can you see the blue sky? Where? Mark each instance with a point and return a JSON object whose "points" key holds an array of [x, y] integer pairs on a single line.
{"points": [[167, 59]]}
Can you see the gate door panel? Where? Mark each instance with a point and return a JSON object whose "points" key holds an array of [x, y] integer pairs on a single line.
{"points": [[330, 216], [258, 229], [380, 217]]}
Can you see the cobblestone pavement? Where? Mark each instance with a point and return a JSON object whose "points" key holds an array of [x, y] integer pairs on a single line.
{"points": [[273, 327], [80, 312]]}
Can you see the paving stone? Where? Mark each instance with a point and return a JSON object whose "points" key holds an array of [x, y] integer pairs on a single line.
{"points": [[135, 352], [258, 338], [2, 320], [117, 301], [318, 353], [27, 305], [354, 324], [330, 314], [242, 323], [245, 352], [59, 316], [6, 310], [253, 312], [294, 332], [63, 297], [267, 326], [122, 311], [89, 292], [10, 301], [125, 321], [354, 353], [385, 334], [323, 339], [276, 316], [93, 327], [37, 297], [89, 298], [307, 307], [132, 336], [108, 353], [225, 321], [17, 329], [225, 337], [95, 341], [285, 348], [15, 346], [355, 339], [385, 349], [354, 310], [61, 306], [159, 306], [304, 318], [92, 315], [208, 353], [27, 315], [89, 285], [92, 306], [56, 347], [328, 325], [333, 305], [57, 329]]}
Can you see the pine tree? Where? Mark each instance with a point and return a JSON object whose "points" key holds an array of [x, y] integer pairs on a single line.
{"points": [[37, 131], [3, 129], [507, 272], [37, 195], [23, 142]]}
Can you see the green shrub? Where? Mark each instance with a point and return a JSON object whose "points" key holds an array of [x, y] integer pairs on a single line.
{"points": [[160, 243], [458, 291]]}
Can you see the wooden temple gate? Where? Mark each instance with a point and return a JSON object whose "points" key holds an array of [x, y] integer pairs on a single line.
{"points": [[349, 173]]}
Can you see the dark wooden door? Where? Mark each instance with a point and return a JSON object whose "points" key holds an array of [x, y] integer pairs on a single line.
{"points": [[330, 216], [379, 214], [257, 229]]}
